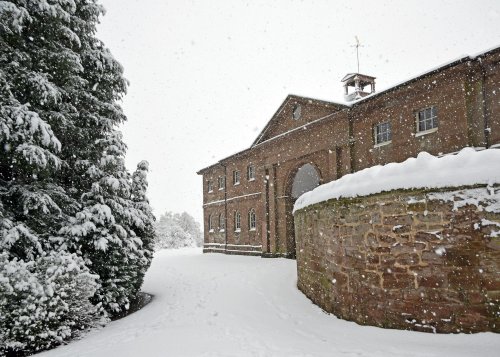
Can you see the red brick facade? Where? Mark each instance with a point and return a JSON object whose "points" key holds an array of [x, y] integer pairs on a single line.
{"points": [[338, 139]]}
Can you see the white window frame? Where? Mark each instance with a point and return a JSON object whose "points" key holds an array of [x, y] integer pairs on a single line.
{"points": [[386, 134], [251, 173], [433, 118], [210, 224], [236, 177], [221, 182], [252, 220], [237, 222], [210, 186], [222, 222]]}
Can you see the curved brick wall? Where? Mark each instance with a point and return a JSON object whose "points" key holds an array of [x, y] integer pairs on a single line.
{"points": [[415, 260]]}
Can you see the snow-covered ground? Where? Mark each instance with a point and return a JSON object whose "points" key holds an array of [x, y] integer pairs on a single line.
{"points": [[218, 305]]}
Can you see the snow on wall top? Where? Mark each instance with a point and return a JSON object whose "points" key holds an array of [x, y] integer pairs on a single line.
{"points": [[468, 167]]}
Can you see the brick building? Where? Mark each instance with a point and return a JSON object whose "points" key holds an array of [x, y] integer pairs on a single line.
{"points": [[248, 197]]}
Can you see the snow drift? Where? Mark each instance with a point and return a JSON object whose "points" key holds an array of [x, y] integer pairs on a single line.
{"points": [[468, 167]]}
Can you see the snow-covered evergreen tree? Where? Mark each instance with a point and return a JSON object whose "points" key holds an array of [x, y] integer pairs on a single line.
{"points": [[144, 224], [73, 238], [174, 230]]}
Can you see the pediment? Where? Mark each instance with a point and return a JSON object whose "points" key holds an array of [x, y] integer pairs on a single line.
{"points": [[295, 112]]}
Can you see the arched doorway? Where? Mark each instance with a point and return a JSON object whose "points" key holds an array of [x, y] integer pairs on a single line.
{"points": [[303, 179]]}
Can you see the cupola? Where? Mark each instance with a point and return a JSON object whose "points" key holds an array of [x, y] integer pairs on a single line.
{"points": [[358, 82]]}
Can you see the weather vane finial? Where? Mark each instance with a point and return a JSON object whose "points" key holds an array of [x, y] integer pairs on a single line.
{"points": [[357, 45]]}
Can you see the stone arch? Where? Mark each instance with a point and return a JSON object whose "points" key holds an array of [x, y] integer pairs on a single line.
{"points": [[304, 177]]}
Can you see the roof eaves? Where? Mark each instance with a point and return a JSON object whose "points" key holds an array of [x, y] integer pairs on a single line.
{"points": [[222, 161], [205, 169], [263, 131]]}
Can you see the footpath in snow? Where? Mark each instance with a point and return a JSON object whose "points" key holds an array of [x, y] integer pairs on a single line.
{"points": [[218, 305]]}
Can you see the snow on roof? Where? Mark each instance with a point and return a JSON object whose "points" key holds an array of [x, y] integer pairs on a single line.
{"points": [[484, 52], [468, 167], [429, 71], [350, 75]]}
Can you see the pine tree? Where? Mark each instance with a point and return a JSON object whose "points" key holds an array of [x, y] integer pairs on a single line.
{"points": [[144, 222], [31, 150], [41, 297], [114, 230], [70, 230]]}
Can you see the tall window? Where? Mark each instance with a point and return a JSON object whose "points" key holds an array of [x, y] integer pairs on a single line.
{"points": [[237, 222], [236, 177], [382, 133], [221, 182], [427, 119], [252, 223], [210, 223], [250, 173], [210, 186], [222, 223]]}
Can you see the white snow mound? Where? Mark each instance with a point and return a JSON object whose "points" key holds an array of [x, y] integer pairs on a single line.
{"points": [[468, 167]]}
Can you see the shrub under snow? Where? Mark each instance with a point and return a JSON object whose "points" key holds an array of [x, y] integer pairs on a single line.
{"points": [[45, 301]]}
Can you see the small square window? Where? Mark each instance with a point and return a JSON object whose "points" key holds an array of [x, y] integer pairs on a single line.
{"points": [[250, 173], [427, 119], [383, 133], [222, 182], [210, 186], [236, 177]]}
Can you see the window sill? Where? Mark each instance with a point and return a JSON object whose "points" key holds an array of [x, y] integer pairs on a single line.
{"points": [[237, 231], [382, 144], [211, 191], [422, 133], [210, 231], [251, 179], [220, 189], [236, 184], [252, 229], [222, 230]]}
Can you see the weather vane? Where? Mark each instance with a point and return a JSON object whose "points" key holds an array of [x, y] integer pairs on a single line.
{"points": [[357, 45]]}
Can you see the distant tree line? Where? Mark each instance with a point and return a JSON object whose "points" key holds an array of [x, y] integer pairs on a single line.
{"points": [[174, 230], [76, 228]]}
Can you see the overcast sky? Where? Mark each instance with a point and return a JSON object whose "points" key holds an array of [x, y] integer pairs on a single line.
{"points": [[206, 76]]}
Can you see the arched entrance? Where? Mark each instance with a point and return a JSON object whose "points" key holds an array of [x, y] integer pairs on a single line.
{"points": [[303, 179]]}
